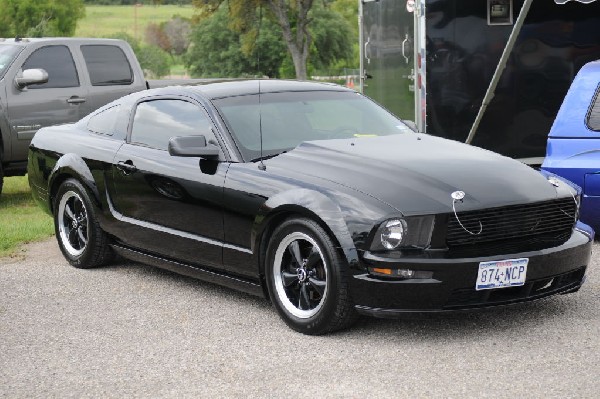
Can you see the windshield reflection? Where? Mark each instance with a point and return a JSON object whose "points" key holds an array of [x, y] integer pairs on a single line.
{"points": [[290, 118]]}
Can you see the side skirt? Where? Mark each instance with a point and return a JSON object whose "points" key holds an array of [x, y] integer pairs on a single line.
{"points": [[191, 271]]}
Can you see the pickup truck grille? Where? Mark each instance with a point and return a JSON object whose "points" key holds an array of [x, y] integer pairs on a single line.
{"points": [[549, 221]]}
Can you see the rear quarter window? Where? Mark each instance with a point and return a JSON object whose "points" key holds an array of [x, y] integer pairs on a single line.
{"points": [[104, 122], [593, 120], [107, 65]]}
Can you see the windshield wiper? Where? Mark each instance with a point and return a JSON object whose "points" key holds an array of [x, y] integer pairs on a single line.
{"points": [[264, 157]]}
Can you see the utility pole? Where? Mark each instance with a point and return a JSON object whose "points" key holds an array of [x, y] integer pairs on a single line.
{"points": [[135, 19]]}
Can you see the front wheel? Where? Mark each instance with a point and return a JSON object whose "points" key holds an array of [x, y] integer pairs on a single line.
{"points": [[80, 238], [308, 279]]}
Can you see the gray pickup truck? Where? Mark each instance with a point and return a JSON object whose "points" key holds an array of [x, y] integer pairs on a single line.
{"points": [[50, 81]]}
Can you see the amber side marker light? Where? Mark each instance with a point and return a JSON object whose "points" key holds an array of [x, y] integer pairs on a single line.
{"points": [[400, 273], [382, 271]]}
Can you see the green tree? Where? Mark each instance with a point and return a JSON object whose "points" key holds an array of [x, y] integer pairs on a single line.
{"points": [[40, 17], [133, 42], [306, 29], [348, 9], [216, 51], [292, 17], [154, 61], [332, 38]]}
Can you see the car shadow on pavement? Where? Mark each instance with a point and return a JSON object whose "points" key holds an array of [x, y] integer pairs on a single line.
{"points": [[179, 281], [515, 319]]}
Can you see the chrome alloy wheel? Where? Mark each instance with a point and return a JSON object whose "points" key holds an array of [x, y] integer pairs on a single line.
{"points": [[300, 275], [73, 223]]}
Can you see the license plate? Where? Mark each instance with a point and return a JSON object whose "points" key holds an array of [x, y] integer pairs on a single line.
{"points": [[501, 274]]}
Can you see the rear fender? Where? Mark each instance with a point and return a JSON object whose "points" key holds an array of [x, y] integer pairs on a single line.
{"points": [[72, 166]]}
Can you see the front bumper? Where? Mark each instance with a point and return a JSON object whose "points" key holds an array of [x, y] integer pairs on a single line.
{"points": [[557, 270]]}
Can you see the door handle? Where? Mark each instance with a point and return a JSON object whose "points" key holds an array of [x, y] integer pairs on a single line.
{"points": [[403, 46], [126, 167], [76, 100], [367, 58]]}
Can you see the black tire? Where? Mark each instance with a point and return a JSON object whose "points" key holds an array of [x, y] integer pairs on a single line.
{"points": [[308, 279], [1, 174], [80, 238]]}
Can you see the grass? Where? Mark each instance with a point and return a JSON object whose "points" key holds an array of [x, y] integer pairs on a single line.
{"points": [[102, 21], [21, 220], [178, 70]]}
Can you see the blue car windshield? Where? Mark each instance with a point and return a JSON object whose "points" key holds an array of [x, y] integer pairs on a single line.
{"points": [[290, 118], [8, 53]]}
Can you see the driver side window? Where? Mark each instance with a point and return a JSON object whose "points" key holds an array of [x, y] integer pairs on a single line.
{"points": [[58, 62], [156, 121]]}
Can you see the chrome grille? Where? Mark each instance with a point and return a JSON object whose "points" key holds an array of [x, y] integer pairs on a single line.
{"points": [[551, 220]]}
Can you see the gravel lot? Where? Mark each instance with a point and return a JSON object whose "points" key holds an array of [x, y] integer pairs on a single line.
{"points": [[134, 331]]}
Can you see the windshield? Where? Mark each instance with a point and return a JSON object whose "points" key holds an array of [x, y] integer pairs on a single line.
{"points": [[289, 118], [8, 53]]}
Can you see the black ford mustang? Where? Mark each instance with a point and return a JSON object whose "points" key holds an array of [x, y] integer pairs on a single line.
{"points": [[309, 194]]}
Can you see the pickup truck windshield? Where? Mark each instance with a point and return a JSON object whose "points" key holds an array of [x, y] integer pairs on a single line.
{"points": [[8, 53]]}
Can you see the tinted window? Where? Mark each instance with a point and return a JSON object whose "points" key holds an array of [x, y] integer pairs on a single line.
{"points": [[289, 118], [58, 62], [104, 122], [594, 115], [8, 52], [107, 65], [155, 122]]}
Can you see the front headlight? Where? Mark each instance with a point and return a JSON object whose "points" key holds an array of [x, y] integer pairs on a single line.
{"points": [[399, 233], [392, 233], [574, 189]]}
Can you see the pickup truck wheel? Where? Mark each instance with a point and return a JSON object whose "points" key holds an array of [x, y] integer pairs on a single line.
{"points": [[308, 278], [1, 175], [80, 238]]}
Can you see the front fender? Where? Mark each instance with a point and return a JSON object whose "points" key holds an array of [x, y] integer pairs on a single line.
{"points": [[348, 215], [318, 205]]}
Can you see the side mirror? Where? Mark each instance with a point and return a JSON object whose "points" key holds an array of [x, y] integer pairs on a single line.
{"points": [[193, 146], [31, 77]]}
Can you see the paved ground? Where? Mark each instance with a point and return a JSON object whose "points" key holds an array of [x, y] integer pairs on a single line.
{"points": [[134, 331]]}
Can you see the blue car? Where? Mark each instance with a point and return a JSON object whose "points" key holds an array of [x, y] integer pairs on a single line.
{"points": [[573, 150]]}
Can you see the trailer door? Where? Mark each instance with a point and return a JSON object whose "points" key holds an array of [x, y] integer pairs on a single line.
{"points": [[387, 54]]}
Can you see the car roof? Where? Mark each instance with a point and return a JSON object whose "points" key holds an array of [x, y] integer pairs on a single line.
{"points": [[216, 90], [573, 116], [63, 40]]}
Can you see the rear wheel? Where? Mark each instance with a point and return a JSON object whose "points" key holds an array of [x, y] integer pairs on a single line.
{"points": [[80, 238], [1, 175], [308, 279], [1, 168]]}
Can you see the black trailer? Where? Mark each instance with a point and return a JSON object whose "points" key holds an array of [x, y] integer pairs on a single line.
{"points": [[492, 73]]}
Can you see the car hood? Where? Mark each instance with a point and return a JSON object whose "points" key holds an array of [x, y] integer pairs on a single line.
{"points": [[417, 173]]}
